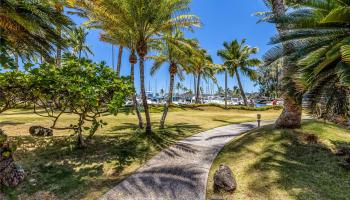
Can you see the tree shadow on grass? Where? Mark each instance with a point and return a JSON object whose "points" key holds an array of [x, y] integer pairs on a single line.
{"points": [[10, 123], [54, 164], [304, 170]]}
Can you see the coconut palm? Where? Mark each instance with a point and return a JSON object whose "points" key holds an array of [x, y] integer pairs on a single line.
{"points": [[291, 114], [174, 51], [28, 28], [236, 57], [77, 41], [319, 30], [126, 38], [148, 20]]}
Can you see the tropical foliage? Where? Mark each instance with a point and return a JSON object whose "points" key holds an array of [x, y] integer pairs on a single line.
{"points": [[318, 30], [145, 21], [28, 28], [174, 50], [77, 42]]}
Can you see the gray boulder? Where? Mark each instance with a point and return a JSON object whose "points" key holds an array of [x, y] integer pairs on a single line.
{"points": [[224, 179], [40, 131]]}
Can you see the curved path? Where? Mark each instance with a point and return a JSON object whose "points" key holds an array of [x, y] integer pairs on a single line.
{"points": [[179, 172]]}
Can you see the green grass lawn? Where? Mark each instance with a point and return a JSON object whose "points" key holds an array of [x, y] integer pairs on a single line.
{"points": [[55, 168], [281, 164]]}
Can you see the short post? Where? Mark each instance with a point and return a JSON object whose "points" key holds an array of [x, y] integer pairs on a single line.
{"points": [[258, 116]]}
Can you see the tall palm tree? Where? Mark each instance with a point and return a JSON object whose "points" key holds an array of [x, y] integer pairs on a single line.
{"points": [[77, 41], [319, 31], [174, 50], [291, 114], [236, 56], [28, 28], [126, 38]]}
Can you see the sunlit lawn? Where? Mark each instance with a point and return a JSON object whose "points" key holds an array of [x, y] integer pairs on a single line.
{"points": [[281, 164], [56, 168]]}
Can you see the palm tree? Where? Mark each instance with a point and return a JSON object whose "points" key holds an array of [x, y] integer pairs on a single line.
{"points": [[321, 35], [178, 87], [291, 114], [77, 41], [174, 50], [148, 20], [28, 29], [127, 40], [202, 67], [236, 56]]}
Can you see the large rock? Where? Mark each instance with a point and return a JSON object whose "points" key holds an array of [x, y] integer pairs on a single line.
{"points": [[40, 131], [10, 173], [224, 179]]}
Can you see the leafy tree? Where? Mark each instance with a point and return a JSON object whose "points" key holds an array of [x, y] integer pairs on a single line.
{"points": [[236, 56], [79, 87], [77, 41]]}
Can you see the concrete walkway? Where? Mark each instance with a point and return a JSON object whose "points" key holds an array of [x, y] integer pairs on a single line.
{"points": [[179, 172]]}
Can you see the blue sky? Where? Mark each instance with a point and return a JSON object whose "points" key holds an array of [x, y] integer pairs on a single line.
{"points": [[223, 20]]}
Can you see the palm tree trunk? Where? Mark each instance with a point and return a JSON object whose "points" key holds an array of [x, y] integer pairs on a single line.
{"points": [[291, 114], [134, 100], [194, 84], [170, 97], [143, 95], [225, 89], [198, 88], [120, 55], [59, 8], [241, 87]]}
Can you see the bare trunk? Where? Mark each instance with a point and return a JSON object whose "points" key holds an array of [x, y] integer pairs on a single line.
{"points": [[170, 97], [79, 131], [241, 88], [198, 88], [143, 94], [134, 100], [225, 89], [291, 114], [120, 55]]}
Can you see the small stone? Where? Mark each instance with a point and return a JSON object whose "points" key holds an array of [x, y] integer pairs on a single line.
{"points": [[40, 131], [224, 179]]}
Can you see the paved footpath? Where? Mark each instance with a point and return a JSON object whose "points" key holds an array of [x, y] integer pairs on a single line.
{"points": [[179, 172]]}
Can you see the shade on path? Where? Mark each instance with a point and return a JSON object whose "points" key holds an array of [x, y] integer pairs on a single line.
{"points": [[179, 172]]}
